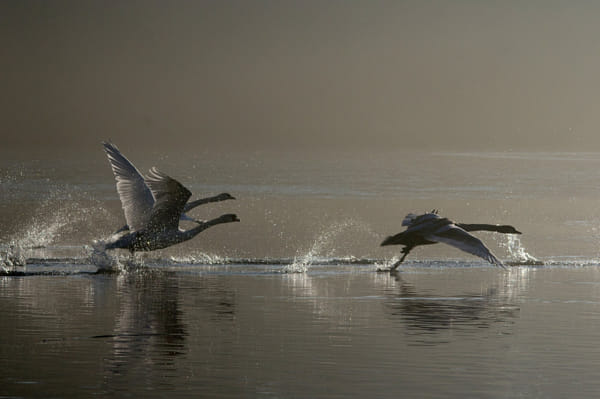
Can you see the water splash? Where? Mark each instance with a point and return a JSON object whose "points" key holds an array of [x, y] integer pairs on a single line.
{"points": [[100, 258], [198, 259], [61, 215], [318, 251], [386, 266], [12, 260], [518, 254]]}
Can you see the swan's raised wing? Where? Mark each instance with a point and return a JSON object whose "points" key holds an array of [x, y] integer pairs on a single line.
{"points": [[170, 196], [455, 236], [136, 198]]}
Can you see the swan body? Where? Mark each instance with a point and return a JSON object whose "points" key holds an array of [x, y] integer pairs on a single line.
{"points": [[430, 228], [153, 207]]}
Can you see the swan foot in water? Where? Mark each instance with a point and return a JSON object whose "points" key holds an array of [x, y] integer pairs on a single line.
{"points": [[102, 260], [393, 268]]}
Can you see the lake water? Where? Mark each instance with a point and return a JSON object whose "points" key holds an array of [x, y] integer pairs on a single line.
{"points": [[289, 303]]}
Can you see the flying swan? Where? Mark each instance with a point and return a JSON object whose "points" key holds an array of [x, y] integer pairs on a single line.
{"points": [[132, 185], [153, 207], [430, 228]]}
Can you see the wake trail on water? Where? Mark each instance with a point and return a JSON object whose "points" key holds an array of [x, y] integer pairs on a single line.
{"points": [[40, 243]]}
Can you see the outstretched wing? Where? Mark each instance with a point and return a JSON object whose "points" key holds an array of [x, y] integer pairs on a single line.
{"points": [[170, 196], [136, 199], [459, 238]]}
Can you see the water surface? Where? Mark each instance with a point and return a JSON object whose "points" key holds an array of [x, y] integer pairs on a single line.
{"points": [[462, 330], [288, 303]]}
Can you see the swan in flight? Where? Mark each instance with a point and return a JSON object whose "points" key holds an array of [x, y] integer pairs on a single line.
{"points": [[136, 196], [430, 228], [153, 207]]}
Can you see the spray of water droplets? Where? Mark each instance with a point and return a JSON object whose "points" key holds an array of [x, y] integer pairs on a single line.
{"points": [[516, 250], [61, 216], [324, 246], [11, 259]]}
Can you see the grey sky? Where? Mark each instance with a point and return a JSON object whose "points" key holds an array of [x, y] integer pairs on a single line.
{"points": [[302, 74]]}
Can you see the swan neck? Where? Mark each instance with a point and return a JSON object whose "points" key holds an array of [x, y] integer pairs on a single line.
{"points": [[480, 227]]}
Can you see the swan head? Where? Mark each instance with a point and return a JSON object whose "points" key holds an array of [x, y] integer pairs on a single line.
{"points": [[225, 196], [508, 230], [230, 217]]}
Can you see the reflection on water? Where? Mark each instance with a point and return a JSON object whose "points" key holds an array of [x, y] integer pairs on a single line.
{"points": [[148, 332], [423, 313], [335, 331]]}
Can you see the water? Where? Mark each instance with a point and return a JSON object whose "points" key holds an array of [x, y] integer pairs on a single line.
{"points": [[335, 331], [289, 303]]}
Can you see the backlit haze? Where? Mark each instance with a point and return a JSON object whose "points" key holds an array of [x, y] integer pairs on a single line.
{"points": [[300, 75], [329, 121]]}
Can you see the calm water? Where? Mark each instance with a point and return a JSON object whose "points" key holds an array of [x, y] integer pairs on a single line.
{"points": [[288, 303], [335, 331]]}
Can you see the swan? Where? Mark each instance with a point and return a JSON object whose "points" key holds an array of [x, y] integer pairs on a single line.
{"points": [[136, 197], [156, 227], [430, 228]]}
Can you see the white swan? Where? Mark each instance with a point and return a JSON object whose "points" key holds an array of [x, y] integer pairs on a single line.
{"points": [[153, 207], [430, 228], [136, 197]]}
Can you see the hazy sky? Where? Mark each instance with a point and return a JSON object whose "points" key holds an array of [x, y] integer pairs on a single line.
{"points": [[302, 74]]}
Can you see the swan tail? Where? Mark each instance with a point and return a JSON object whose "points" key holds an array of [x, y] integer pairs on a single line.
{"points": [[397, 239]]}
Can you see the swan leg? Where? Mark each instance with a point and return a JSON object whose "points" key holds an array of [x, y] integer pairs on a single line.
{"points": [[122, 229], [405, 251]]}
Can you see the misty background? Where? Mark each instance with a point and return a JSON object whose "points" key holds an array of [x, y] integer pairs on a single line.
{"points": [[300, 75], [328, 120]]}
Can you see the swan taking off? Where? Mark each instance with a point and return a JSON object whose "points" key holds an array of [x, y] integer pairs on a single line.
{"points": [[430, 228], [153, 207], [136, 196]]}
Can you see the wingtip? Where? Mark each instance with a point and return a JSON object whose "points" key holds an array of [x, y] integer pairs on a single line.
{"points": [[156, 173], [497, 262], [109, 147]]}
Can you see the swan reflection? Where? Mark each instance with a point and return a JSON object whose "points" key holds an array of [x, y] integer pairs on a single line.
{"points": [[149, 332], [421, 309]]}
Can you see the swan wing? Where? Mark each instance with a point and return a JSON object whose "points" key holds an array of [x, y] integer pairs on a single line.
{"points": [[418, 229], [171, 197], [425, 224], [459, 238], [411, 219], [136, 198]]}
